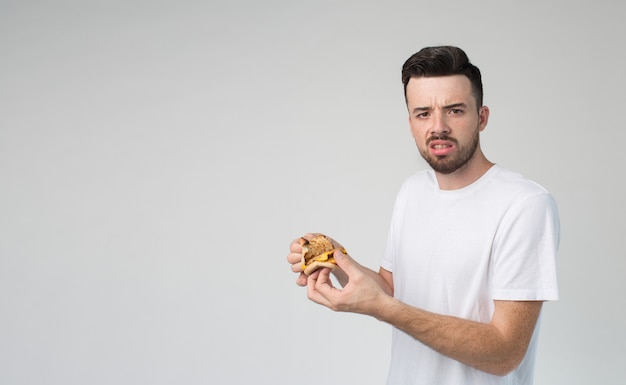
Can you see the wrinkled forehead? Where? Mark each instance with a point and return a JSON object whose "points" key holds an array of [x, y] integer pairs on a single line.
{"points": [[438, 91]]}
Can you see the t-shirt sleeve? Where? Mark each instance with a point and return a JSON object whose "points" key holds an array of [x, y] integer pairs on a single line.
{"points": [[386, 261], [525, 251], [394, 229]]}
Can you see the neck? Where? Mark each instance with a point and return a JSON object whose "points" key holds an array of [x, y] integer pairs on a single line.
{"points": [[466, 175]]}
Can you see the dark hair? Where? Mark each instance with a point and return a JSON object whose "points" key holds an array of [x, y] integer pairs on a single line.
{"points": [[443, 61]]}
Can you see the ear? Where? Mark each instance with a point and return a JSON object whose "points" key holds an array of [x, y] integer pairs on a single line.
{"points": [[483, 117]]}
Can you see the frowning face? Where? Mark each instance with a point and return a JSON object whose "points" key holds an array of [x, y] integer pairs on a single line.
{"points": [[445, 121]]}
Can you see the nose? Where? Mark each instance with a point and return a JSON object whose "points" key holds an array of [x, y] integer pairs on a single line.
{"points": [[439, 125]]}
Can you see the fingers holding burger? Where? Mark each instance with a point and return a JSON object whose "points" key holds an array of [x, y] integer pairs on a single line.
{"points": [[318, 252]]}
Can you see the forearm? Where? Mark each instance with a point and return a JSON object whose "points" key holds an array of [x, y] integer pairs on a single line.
{"points": [[496, 347], [483, 346]]}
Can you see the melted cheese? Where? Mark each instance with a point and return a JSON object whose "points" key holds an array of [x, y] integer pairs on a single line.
{"points": [[327, 256]]}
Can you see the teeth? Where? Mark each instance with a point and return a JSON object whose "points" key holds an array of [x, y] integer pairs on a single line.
{"points": [[438, 146]]}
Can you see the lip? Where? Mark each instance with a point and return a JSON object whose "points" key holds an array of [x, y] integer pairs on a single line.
{"points": [[441, 147]]}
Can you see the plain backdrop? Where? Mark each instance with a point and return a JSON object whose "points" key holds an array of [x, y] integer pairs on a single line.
{"points": [[158, 157]]}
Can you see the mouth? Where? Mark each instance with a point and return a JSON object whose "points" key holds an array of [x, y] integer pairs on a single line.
{"points": [[440, 147]]}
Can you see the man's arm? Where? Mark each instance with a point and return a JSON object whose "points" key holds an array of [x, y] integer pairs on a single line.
{"points": [[496, 347]]}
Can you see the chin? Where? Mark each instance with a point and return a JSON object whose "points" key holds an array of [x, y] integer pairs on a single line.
{"points": [[446, 168]]}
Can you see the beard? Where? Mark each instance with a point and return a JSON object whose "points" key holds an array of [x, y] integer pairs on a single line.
{"points": [[448, 164]]}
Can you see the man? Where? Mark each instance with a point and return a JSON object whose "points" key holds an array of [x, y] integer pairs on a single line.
{"points": [[471, 251]]}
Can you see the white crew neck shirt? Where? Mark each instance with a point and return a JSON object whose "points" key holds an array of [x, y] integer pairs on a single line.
{"points": [[454, 252]]}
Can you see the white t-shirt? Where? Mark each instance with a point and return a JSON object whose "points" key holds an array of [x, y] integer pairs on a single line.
{"points": [[454, 252]]}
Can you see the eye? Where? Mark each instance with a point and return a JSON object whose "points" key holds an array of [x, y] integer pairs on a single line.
{"points": [[422, 115]]}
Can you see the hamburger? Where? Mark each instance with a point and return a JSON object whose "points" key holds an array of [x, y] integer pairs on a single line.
{"points": [[317, 253]]}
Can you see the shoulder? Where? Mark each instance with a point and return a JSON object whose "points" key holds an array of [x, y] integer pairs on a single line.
{"points": [[522, 197], [516, 185], [420, 180]]}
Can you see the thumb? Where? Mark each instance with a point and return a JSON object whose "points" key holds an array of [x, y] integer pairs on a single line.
{"points": [[345, 262]]}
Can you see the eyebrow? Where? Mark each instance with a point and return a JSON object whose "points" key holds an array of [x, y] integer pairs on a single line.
{"points": [[447, 107], [455, 105]]}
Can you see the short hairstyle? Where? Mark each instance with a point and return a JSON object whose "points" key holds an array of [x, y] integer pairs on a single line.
{"points": [[443, 61]]}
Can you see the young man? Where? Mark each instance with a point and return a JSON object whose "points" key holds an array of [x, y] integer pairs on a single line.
{"points": [[471, 251]]}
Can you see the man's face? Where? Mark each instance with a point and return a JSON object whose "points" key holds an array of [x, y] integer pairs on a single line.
{"points": [[445, 121]]}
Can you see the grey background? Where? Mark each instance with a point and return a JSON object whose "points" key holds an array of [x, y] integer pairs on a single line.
{"points": [[157, 158]]}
